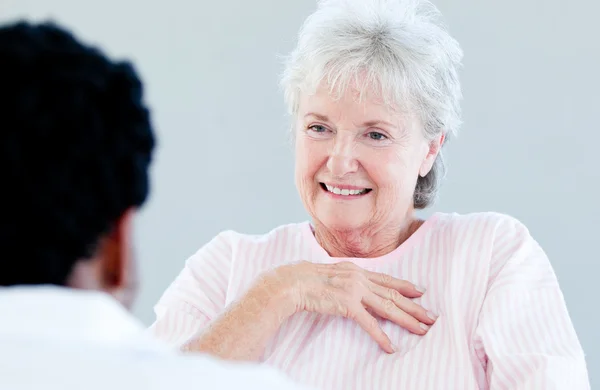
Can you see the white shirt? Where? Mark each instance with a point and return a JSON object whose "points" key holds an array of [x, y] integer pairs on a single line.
{"points": [[58, 338]]}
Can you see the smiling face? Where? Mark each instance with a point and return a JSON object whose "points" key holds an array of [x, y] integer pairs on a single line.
{"points": [[357, 162]]}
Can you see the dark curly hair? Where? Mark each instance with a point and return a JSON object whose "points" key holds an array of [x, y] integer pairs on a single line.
{"points": [[75, 148]]}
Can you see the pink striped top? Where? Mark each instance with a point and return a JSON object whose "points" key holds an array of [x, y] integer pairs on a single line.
{"points": [[503, 321]]}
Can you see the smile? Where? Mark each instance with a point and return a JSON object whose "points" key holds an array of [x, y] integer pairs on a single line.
{"points": [[345, 191]]}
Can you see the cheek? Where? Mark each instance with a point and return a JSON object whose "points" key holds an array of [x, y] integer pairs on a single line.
{"points": [[309, 159], [304, 170], [393, 172], [383, 168]]}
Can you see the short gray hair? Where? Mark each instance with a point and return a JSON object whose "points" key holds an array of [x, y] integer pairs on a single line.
{"points": [[399, 48]]}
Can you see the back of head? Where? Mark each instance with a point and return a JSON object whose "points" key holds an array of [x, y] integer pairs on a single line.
{"points": [[75, 147]]}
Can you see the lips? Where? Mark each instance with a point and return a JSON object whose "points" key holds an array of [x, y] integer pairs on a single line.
{"points": [[345, 190]]}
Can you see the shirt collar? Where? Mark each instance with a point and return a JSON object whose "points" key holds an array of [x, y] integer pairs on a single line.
{"points": [[49, 312]]}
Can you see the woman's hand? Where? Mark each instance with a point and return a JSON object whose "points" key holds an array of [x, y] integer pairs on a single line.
{"points": [[343, 289], [347, 290]]}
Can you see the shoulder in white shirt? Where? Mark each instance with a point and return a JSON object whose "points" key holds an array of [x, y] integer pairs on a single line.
{"points": [[55, 338]]}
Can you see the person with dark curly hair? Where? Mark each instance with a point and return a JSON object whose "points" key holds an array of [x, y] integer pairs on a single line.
{"points": [[76, 145], [76, 142]]}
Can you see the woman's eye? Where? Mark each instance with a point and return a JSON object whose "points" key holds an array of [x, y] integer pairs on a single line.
{"points": [[376, 136], [318, 128]]}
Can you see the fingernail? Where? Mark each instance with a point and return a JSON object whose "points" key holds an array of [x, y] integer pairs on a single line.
{"points": [[420, 289], [394, 348], [424, 327], [432, 316]]}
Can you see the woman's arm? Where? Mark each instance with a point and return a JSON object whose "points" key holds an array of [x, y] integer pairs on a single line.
{"points": [[343, 289], [243, 330], [198, 294], [192, 315], [524, 326]]}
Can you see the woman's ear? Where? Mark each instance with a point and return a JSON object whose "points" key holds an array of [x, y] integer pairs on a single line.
{"points": [[434, 147]]}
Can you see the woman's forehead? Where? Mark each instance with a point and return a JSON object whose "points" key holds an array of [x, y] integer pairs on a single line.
{"points": [[351, 104]]}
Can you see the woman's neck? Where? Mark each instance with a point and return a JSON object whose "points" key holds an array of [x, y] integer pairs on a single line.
{"points": [[365, 243]]}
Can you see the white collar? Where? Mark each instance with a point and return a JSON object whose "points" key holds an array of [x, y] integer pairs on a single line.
{"points": [[57, 313]]}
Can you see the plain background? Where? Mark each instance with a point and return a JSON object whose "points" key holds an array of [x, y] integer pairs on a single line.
{"points": [[531, 82]]}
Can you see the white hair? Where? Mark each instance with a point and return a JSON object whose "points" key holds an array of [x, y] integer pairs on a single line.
{"points": [[399, 49]]}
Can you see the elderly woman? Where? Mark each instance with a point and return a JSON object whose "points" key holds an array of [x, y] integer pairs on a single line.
{"points": [[368, 295]]}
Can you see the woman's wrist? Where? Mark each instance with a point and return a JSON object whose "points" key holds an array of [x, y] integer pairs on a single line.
{"points": [[275, 296]]}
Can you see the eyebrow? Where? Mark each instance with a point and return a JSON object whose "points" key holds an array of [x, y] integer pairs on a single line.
{"points": [[324, 118], [320, 117]]}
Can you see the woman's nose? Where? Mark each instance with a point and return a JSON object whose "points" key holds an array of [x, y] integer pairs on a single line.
{"points": [[342, 158]]}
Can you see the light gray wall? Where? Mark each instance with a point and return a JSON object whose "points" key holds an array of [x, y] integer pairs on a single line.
{"points": [[532, 99]]}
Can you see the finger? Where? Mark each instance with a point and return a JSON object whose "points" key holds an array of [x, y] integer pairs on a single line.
{"points": [[336, 301], [387, 309], [372, 327], [404, 287], [405, 304]]}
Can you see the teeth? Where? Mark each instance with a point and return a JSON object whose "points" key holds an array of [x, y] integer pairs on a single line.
{"points": [[345, 192]]}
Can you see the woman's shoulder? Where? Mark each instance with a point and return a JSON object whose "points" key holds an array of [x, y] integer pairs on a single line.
{"points": [[281, 232], [493, 228], [490, 242], [230, 246], [488, 222]]}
